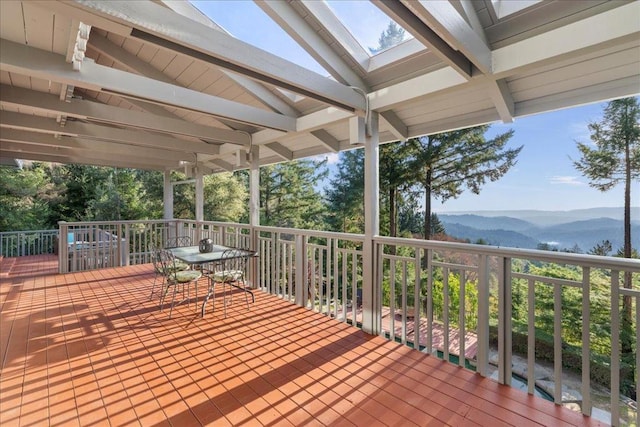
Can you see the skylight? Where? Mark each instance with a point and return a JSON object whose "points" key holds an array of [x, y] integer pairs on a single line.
{"points": [[366, 23], [508, 7], [247, 22]]}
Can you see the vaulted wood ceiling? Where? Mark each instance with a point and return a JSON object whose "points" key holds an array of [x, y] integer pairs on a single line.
{"points": [[157, 85]]}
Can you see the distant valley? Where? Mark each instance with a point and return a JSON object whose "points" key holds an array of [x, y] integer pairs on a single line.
{"points": [[528, 228]]}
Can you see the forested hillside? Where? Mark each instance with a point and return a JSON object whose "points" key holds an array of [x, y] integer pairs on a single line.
{"points": [[514, 232]]}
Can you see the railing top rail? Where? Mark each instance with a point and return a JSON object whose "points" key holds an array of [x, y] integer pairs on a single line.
{"points": [[50, 230], [84, 223], [536, 254], [314, 233]]}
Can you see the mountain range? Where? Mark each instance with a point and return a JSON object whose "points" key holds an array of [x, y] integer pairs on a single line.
{"points": [[584, 228]]}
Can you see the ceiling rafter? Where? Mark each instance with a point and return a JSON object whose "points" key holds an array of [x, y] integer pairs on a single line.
{"points": [[90, 130], [94, 146], [280, 150], [102, 113], [395, 125], [411, 23], [131, 62], [49, 66], [309, 39], [327, 139], [29, 150], [155, 24], [450, 26], [327, 18]]}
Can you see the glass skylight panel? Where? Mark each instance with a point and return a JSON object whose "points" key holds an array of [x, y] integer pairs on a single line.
{"points": [[248, 23], [508, 7], [367, 24]]}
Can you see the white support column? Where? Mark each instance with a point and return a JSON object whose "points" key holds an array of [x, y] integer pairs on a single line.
{"points": [[254, 214], [370, 283], [168, 195], [254, 187], [199, 194]]}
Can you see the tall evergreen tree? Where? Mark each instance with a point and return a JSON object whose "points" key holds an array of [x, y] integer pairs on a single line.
{"points": [[394, 179], [345, 194], [389, 37], [447, 163], [120, 196], [615, 159], [24, 198], [288, 197], [225, 197]]}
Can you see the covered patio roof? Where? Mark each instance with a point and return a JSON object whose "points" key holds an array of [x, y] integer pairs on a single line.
{"points": [[158, 85]]}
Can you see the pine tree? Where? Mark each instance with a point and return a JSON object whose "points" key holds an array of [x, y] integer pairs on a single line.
{"points": [[389, 38], [614, 160], [447, 163], [345, 194], [288, 197]]}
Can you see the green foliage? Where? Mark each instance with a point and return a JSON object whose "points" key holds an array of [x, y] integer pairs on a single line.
{"points": [[345, 194], [24, 196], [617, 146], [120, 196], [447, 163], [288, 197], [390, 37], [225, 197]]}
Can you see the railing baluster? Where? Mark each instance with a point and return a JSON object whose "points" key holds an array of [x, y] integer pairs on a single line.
{"points": [[586, 348], [615, 348], [531, 335], [445, 313], [557, 344], [429, 256], [417, 309], [461, 319]]}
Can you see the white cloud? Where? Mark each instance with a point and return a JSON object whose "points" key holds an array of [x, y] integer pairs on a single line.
{"points": [[565, 180]]}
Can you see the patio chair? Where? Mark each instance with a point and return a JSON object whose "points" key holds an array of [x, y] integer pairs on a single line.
{"points": [[177, 242], [230, 271], [157, 269], [176, 278]]}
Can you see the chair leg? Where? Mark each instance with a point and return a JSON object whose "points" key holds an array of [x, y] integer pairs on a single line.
{"points": [[173, 299], [153, 287], [165, 291]]}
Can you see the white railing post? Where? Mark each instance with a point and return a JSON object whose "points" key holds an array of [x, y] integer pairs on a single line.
{"points": [[615, 348], [586, 347], [483, 315], [504, 321], [301, 261], [63, 247]]}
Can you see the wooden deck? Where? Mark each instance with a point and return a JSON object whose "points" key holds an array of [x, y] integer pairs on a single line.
{"points": [[91, 349]]}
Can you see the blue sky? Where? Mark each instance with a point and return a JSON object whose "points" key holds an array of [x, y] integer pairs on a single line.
{"points": [[544, 177]]}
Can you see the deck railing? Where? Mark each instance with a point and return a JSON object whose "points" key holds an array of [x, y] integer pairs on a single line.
{"points": [[26, 243], [477, 306]]}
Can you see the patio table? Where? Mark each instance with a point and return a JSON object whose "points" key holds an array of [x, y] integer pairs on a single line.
{"points": [[192, 256]]}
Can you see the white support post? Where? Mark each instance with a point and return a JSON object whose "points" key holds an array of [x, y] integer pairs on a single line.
{"points": [[254, 187], [254, 210], [168, 195], [199, 195], [370, 283], [63, 247]]}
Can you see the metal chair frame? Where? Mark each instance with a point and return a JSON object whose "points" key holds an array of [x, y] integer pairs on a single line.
{"points": [[175, 277], [229, 271]]}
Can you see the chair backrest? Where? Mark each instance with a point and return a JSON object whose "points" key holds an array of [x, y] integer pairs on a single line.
{"points": [[177, 242], [234, 264], [168, 263], [157, 263]]}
